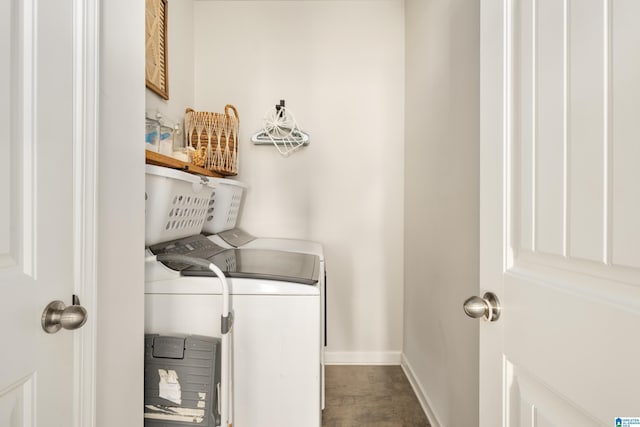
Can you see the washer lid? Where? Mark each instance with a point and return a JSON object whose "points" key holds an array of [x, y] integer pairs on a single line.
{"points": [[242, 263], [262, 264]]}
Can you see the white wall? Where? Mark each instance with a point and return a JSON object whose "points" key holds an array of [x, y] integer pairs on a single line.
{"points": [[340, 67], [120, 210], [180, 53], [441, 205]]}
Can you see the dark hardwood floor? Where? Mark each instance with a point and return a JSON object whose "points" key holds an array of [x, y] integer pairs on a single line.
{"points": [[376, 396]]}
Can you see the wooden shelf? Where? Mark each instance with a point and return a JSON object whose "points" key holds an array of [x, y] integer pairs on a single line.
{"points": [[153, 158]]}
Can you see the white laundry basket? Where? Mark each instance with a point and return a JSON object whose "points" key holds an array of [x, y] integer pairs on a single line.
{"points": [[224, 205], [176, 204]]}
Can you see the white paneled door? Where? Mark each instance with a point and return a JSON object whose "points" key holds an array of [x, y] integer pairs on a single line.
{"points": [[560, 212], [46, 191]]}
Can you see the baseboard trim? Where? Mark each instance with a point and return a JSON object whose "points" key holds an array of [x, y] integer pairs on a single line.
{"points": [[362, 357], [424, 400]]}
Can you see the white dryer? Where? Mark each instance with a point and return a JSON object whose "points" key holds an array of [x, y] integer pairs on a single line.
{"points": [[276, 301], [238, 238], [220, 225]]}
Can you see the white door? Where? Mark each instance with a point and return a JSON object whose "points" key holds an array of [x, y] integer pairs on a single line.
{"points": [[43, 219], [560, 212]]}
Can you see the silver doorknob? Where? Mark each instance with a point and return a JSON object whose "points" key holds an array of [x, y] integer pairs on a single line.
{"points": [[487, 307], [57, 316]]}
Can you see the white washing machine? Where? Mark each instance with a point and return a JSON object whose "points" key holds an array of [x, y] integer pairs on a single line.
{"points": [[238, 238], [276, 302]]}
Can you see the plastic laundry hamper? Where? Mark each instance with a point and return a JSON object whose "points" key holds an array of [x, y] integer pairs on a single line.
{"points": [[181, 381], [176, 204], [224, 205]]}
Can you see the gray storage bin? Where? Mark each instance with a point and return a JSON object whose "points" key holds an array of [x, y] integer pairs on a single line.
{"points": [[181, 379]]}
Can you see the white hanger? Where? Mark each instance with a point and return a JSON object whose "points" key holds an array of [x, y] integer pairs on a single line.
{"points": [[280, 129]]}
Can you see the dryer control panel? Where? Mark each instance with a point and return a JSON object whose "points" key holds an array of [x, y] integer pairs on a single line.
{"points": [[197, 246]]}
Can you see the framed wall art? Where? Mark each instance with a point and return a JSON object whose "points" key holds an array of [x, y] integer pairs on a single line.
{"points": [[157, 67]]}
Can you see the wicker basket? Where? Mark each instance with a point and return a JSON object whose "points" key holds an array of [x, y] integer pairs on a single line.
{"points": [[214, 139]]}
